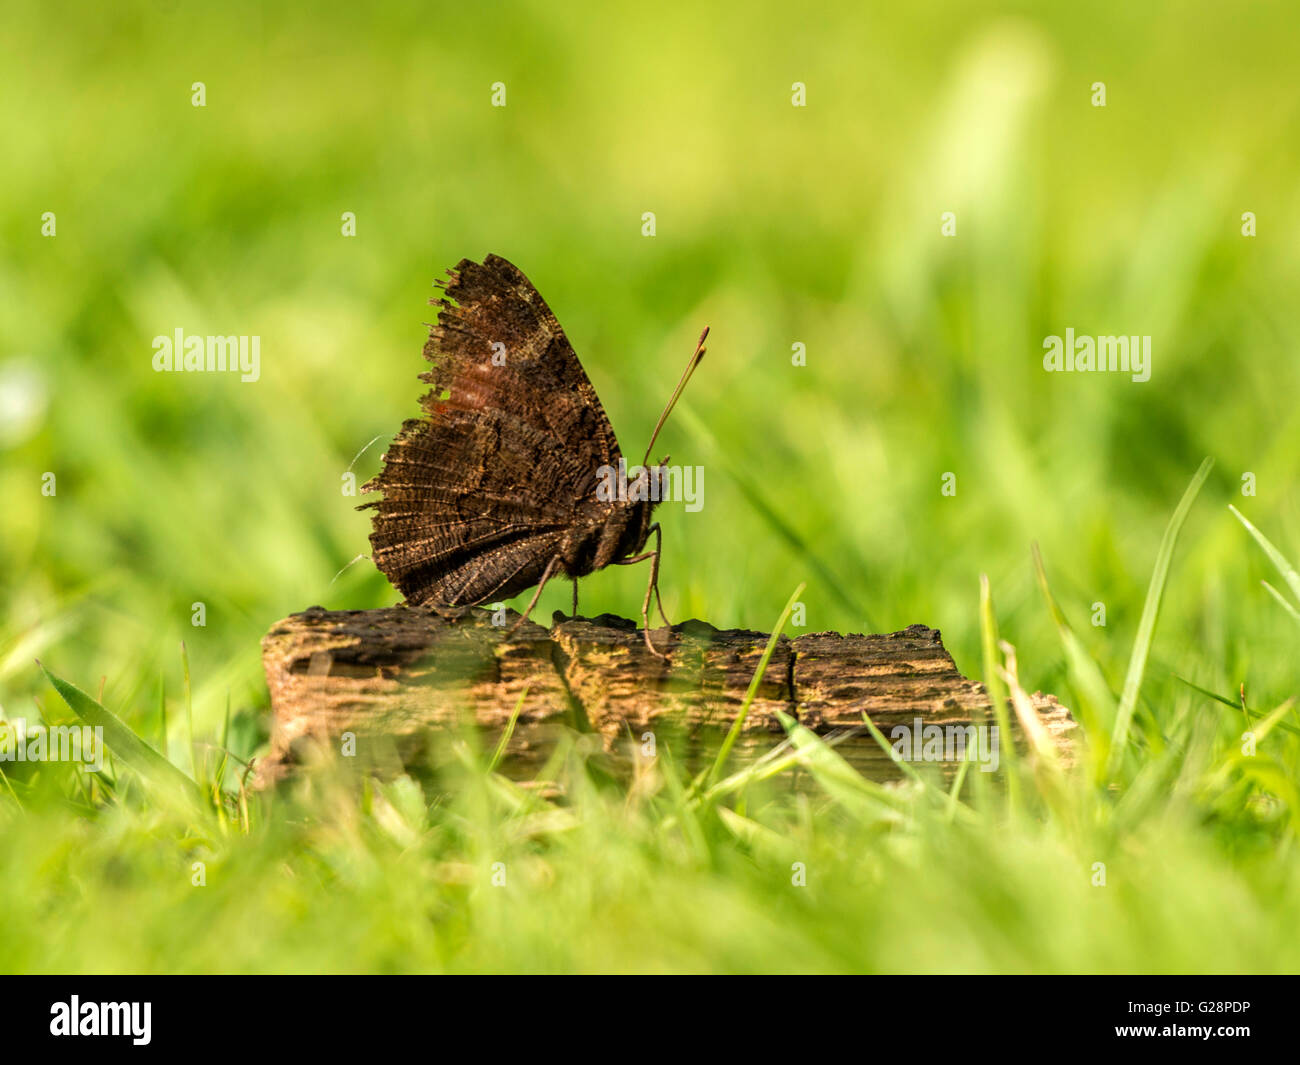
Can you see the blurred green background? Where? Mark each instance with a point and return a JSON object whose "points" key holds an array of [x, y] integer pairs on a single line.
{"points": [[775, 225]]}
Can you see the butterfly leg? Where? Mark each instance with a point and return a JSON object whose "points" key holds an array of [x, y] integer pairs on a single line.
{"points": [[659, 602], [546, 576], [575, 598], [654, 572], [652, 586]]}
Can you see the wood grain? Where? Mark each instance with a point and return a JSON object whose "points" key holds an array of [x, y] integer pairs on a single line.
{"points": [[391, 676]]}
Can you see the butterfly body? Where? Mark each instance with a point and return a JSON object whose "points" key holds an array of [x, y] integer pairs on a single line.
{"points": [[607, 533]]}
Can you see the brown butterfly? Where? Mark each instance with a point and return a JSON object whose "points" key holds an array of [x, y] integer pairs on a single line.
{"points": [[496, 488]]}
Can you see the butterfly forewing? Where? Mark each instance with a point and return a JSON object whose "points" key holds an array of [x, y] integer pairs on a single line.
{"points": [[478, 495]]}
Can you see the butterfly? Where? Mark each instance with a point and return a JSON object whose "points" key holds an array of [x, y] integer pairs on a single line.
{"points": [[499, 486]]}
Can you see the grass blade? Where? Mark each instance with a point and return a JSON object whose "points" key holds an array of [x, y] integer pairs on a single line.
{"points": [[732, 733], [504, 742], [1239, 707], [836, 776], [1275, 556], [1286, 603], [996, 687], [1097, 709], [1147, 625], [119, 738], [195, 764], [1206, 692], [162, 714]]}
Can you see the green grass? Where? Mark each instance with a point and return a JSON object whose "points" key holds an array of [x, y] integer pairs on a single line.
{"points": [[776, 225], [576, 870]]}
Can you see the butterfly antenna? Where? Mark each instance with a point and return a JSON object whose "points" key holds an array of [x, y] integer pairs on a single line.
{"points": [[672, 402], [362, 451], [350, 564]]}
